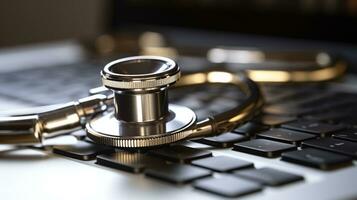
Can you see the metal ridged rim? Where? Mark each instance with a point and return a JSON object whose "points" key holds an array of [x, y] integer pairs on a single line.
{"points": [[147, 141], [137, 142], [140, 81], [141, 84], [130, 77]]}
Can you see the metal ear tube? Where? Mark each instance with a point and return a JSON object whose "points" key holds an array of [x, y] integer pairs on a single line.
{"points": [[142, 116], [33, 128]]}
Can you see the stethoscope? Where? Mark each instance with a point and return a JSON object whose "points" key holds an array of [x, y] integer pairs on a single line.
{"points": [[133, 111]]}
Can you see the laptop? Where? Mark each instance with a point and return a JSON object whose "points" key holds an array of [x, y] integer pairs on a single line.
{"points": [[303, 146]]}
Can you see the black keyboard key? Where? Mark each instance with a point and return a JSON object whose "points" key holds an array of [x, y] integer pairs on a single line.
{"points": [[227, 186], [250, 128], [335, 145], [177, 173], [262, 147], [274, 120], [82, 150], [179, 153], [349, 121], [334, 116], [221, 104], [317, 158], [224, 140], [350, 134], [191, 102], [306, 108], [222, 163], [286, 110], [269, 176], [285, 135], [283, 95], [317, 97], [304, 101], [128, 161], [317, 128]]}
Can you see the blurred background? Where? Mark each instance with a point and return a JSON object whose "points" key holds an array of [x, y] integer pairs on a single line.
{"points": [[61, 46], [47, 32], [23, 22]]}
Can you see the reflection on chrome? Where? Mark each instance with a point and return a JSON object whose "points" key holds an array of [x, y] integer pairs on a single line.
{"points": [[159, 51], [280, 76], [151, 39], [323, 59], [222, 55], [279, 67]]}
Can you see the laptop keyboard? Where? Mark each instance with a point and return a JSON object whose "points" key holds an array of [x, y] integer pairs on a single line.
{"points": [[307, 125], [53, 85]]}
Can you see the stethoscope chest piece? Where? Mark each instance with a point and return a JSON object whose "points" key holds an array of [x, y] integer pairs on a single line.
{"points": [[142, 116], [135, 111]]}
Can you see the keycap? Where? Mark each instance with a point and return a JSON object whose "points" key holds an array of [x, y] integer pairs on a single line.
{"points": [[283, 95], [222, 163], [323, 98], [335, 145], [221, 104], [177, 173], [350, 134], [274, 120], [310, 99], [317, 158], [250, 128], [191, 102], [349, 120], [128, 161], [317, 97], [334, 116], [227, 186], [286, 110], [224, 140], [269, 176], [82, 150], [285, 135], [314, 127], [262, 147], [319, 105], [180, 153]]}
